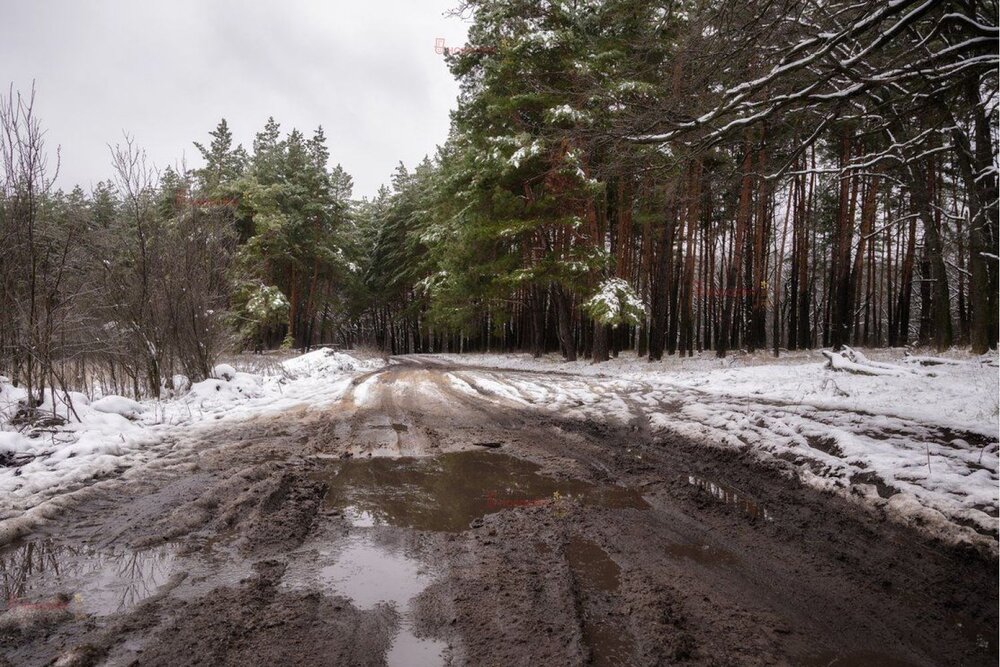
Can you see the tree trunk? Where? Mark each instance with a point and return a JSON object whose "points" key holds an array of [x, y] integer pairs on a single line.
{"points": [[565, 323], [941, 299], [730, 292]]}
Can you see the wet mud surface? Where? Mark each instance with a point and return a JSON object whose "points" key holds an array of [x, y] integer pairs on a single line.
{"points": [[413, 524]]}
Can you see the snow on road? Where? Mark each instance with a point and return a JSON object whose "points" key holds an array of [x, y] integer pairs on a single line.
{"points": [[917, 436], [113, 434]]}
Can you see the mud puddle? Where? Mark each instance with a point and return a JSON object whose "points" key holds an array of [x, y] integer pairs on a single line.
{"points": [[447, 492], [730, 496], [44, 576], [371, 573], [598, 574], [592, 565]]}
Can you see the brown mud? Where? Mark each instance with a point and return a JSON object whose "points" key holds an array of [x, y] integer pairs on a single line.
{"points": [[415, 524]]}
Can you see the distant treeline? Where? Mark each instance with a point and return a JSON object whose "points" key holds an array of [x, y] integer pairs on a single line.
{"points": [[155, 274]]}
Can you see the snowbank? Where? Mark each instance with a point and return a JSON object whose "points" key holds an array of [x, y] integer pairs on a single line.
{"points": [[12, 442], [10, 396], [119, 405], [325, 362]]}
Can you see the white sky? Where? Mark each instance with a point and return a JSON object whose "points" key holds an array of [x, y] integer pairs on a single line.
{"points": [[166, 72]]}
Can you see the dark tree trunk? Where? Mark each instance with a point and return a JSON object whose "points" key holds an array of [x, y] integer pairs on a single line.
{"points": [[906, 288], [941, 299], [565, 323], [730, 292], [660, 288], [600, 346]]}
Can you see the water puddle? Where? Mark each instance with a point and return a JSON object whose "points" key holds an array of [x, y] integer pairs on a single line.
{"points": [[596, 571], [84, 581], [730, 496], [609, 646], [370, 573], [444, 493], [447, 492], [592, 565]]}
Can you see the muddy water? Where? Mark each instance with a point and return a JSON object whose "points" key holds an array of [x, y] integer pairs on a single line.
{"points": [[41, 575], [447, 492], [592, 565], [597, 573], [730, 496], [371, 573]]}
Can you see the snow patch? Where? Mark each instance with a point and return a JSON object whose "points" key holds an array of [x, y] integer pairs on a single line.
{"points": [[113, 434], [119, 405], [921, 431]]}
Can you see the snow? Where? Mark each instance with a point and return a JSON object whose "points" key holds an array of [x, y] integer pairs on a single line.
{"points": [[64, 405], [265, 301], [616, 303], [567, 114], [236, 387], [526, 151], [323, 361], [119, 405], [9, 398], [181, 383], [114, 435], [224, 372], [851, 422], [928, 432], [12, 442]]}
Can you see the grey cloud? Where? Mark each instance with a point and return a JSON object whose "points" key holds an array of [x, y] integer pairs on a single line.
{"points": [[166, 72]]}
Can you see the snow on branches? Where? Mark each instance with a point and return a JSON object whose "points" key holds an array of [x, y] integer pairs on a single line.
{"points": [[616, 303]]}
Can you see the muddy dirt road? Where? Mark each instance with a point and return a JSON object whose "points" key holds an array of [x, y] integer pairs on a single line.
{"points": [[420, 523]]}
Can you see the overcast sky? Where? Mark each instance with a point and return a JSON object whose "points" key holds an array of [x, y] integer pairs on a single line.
{"points": [[166, 72]]}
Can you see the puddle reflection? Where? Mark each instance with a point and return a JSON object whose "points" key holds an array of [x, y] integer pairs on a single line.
{"points": [[730, 496], [86, 580], [370, 573], [447, 492]]}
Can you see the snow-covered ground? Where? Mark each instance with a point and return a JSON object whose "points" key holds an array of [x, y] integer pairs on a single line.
{"points": [[112, 433], [914, 434]]}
